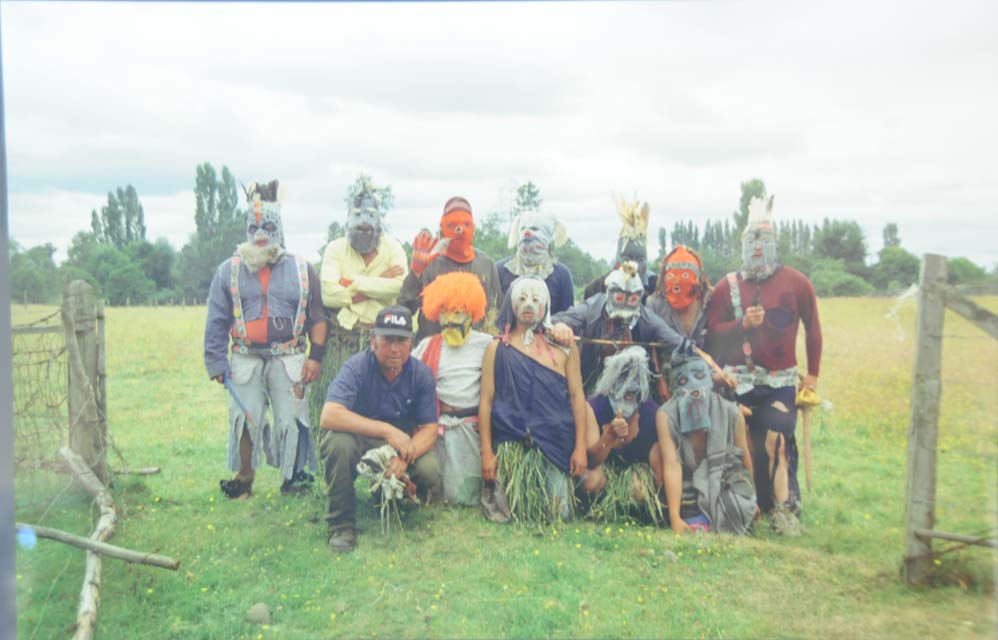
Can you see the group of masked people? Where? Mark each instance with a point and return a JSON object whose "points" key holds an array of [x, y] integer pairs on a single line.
{"points": [[483, 383]]}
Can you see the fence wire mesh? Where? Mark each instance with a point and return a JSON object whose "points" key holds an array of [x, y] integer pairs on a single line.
{"points": [[40, 379]]}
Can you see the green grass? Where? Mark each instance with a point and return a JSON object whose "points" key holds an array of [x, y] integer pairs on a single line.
{"points": [[452, 574]]}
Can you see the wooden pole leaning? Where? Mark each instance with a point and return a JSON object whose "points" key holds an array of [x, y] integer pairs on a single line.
{"points": [[86, 613], [87, 425], [920, 489]]}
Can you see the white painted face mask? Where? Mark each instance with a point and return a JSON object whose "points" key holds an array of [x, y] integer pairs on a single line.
{"points": [[530, 300], [623, 292]]}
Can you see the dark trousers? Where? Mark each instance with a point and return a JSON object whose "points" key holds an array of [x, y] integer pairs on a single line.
{"points": [[340, 454], [766, 418]]}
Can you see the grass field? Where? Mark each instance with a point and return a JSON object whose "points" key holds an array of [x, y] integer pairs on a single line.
{"points": [[453, 574]]}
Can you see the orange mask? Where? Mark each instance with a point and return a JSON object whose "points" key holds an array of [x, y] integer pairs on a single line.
{"points": [[459, 228], [681, 275]]}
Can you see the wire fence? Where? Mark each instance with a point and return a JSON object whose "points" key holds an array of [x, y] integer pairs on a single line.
{"points": [[40, 379]]}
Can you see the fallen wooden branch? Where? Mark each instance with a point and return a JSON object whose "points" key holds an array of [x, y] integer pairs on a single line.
{"points": [[143, 471], [104, 548], [86, 613], [955, 537]]}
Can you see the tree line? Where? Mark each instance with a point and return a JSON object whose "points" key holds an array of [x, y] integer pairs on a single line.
{"points": [[832, 254], [115, 256]]}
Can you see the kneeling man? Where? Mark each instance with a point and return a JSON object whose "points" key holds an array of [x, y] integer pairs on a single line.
{"points": [[624, 435], [381, 395], [707, 466]]}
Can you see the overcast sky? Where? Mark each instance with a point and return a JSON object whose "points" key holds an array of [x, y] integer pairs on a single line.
{"points": [[878, 112]]}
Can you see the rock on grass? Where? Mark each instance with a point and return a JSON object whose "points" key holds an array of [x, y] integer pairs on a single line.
{"points": [[258, 614]]}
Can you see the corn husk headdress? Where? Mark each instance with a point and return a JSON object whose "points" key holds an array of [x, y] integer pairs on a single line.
{"points": [[759, 230], [632, 243]]}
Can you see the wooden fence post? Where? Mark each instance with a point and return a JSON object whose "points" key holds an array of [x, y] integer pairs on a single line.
{"points": [[83, 323], [926, 388]]}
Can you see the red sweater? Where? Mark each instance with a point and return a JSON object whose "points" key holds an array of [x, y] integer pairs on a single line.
{"points": [[788, 297]]}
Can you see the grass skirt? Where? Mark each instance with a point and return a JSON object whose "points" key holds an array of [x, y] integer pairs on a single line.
{"points": [[618, 502], [537, 492]]}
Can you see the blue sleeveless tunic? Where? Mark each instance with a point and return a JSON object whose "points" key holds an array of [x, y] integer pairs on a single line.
{"points": [[531, 399]]}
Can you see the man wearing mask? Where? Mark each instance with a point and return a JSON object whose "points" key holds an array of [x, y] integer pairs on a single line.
{"points": [[266, 301], [752, 324], [535, 236], [680, 300], [532, 414], [623, 434], [632, 246], [453, 251], [457, 300], [361, 274], [606, 320], [706, 464]]}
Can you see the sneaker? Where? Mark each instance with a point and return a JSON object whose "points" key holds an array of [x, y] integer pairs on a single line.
{"points": [[235, 489], [343, 540], [784, 521]]}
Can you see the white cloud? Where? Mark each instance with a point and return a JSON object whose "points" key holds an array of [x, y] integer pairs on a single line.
{"points": [[879, 113]]}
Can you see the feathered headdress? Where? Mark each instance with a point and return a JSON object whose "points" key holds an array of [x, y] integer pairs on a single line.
{"points": [[634, 217], [760, 211]]}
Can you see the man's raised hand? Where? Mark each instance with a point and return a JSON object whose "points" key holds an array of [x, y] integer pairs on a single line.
{"points": [[425, 249]]}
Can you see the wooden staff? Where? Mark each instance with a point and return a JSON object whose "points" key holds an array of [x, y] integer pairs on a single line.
{"points": [[807, 400], [627, 343]]}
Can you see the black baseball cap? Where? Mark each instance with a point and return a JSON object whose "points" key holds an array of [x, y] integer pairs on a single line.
{"points": [[395, 320]]}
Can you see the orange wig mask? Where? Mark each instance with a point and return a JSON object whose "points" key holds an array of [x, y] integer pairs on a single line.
{"points": [[454, 291]]}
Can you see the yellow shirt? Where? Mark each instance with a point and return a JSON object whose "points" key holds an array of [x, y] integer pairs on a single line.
{"points": [[341, 261]]}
